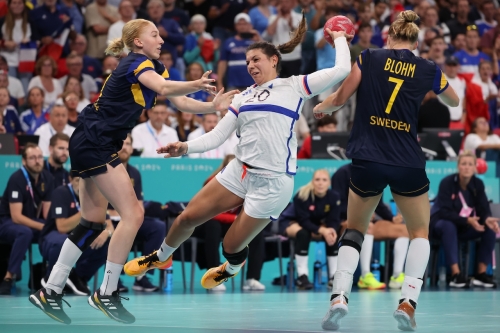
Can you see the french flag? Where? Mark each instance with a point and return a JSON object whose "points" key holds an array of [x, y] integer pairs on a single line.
{"points": [[27, 57], [55, 49]]}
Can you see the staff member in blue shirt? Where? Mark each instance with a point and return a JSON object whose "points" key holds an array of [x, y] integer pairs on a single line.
{"points": [[24, 207], [461, 212], [58, 148]]}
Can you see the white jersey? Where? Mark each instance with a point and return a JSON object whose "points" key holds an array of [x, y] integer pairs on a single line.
{"points": [[264, 116]]}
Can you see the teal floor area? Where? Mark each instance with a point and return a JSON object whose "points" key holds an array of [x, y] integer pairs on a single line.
{"points": [[468, 311]]}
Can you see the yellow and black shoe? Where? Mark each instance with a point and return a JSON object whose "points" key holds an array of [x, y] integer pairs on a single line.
{"points": [[51, 305], [216, 276], [139, 266], [111, 306]]}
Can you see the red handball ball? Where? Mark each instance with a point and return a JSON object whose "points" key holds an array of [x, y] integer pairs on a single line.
{"points": [[338, 23], [481, 166]]}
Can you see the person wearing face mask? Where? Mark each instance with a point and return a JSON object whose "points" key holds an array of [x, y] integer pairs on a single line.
{"points": [[58, 123], [93, 148], [461, 212]]}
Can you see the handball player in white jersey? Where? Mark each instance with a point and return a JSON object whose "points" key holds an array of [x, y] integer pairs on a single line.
{"points": [[262, 174]]}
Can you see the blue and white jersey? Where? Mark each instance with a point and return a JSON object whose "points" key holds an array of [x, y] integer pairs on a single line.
{"points": [[30, 123], [470, 63], [233, 52], [483, 26]]}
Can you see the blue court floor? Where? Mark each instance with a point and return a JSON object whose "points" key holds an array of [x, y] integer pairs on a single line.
{"points": [[470, 311]]}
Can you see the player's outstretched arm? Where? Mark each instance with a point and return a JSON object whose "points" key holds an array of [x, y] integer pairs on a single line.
{"points": [[220, 102], [206, 142], [449, 97], [157, 83]]}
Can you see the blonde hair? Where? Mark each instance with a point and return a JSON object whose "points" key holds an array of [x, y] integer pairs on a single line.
{"points": [[131, 30], [467, 153], [404, 28], [308, 189]]}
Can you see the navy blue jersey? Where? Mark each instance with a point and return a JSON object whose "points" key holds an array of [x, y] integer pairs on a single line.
{"points": [[314, 212], [121, 101], [393, 85]]}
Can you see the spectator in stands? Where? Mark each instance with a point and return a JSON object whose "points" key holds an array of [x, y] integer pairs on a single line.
{"points": [[209, 122], [74, 85], [430, 20], [457, 113], [176, 14], [488, 21], [485, 143], [59, 153], [185, 125], [15, 29], [317, 217], [168, 61], [260, 15], [461, 212], [75, 65], [152, 231], [58, 123], [308, 45], [169, 30], [384, 225], [140, 11], [36, 115], [23, 209], [154, 133], [70, 100], [489, 37], [459, 24], [99, 16], [489, 90], [457, 44], [278, 32], [46, 69], [470, 57], [325, 53], [91, 66], [195, 71], [327, 124], [4, 83], [10, 120], [365, 34], [223, 13], [436, 51], [75, 13], [232, 65], [63, 217], [127, 13], [47, 21], [14, 85], [200, 46]]}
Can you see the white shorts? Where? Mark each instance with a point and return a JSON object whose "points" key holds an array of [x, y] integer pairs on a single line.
{"points": [[266, 193]]}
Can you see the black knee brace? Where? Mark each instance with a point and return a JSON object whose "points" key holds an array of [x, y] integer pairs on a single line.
{"points": [[352, 238], [236, 258], [85, 233], [332, 251], [302, 240]]}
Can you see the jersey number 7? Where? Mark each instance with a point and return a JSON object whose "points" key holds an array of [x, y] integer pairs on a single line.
{"points": [[399, 83]]}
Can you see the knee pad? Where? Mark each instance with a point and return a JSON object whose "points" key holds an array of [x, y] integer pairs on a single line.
{"points": [[352, 238], [85, 233], [332, 251], [302, 240], [236, 258]]}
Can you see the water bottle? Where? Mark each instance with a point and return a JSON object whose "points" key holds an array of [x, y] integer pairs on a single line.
{"points": [[169, 280], [290, 278], [442, 276], [376, 269], [318, 276]]}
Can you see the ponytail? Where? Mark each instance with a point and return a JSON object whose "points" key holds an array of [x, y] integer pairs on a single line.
{"points": [[404, 28], [115, 47], [131, 30], [297, 37]]}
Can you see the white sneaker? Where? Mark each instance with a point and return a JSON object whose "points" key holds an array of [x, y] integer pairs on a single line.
{"points": [[253, 285], [338, 310], [220, 287]]}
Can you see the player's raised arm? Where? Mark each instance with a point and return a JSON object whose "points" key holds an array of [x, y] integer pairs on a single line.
{"points": [[157, 83]]}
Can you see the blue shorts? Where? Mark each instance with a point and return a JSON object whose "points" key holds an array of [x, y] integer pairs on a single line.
{"points": [[89, 159], [369, 179]]}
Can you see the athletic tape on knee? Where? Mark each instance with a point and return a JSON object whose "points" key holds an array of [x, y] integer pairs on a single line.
{"points": [[352, 238], [236, 258], [85, 233]]}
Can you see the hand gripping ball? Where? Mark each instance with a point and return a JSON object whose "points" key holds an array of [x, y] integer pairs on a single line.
{"points": [[338, 23]]}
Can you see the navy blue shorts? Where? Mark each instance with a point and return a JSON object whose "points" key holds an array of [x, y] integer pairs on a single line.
{"points": [[369, 179], [89, 159]]}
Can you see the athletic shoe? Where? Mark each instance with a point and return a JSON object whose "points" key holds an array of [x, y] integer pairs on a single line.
{"points": [[397, 282], [405, 315], [139, 266], [219, 288], [111, 306], [458, 281], [338, 310], [484, 280], [143, 284], [51, 305], [216, 276], [370, 282], [6, 287], [121, 287], [77, 285], [303, 283], [253, 285]]}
